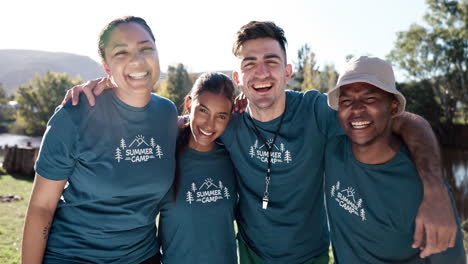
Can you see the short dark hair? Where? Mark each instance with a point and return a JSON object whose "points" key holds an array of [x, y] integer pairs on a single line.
{"points": [[105, 33], [259, 29]]}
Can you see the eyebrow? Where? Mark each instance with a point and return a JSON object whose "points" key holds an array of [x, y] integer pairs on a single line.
{"points": [[269, 56], [119, 45], [272, 56]]}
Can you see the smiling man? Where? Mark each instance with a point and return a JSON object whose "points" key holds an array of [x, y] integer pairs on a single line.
{"points": [[278, 146], [373, 190]]}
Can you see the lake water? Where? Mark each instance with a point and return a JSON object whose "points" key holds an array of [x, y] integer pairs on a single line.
{"points": [[20, 140], [455, 167]]}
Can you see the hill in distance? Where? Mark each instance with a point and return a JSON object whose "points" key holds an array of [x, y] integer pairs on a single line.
{"points": [[19, 67]]}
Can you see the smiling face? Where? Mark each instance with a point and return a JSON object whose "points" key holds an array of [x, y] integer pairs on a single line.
{"points": [[209, 116], [365, 113], [263, 74], [131, 60]]}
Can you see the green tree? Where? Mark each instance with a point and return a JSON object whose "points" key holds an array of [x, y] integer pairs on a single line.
{"points": [[420, 99], [307, 75], [438, 53], [37, 101], [177, 85], [328, 78], [6, 111]]}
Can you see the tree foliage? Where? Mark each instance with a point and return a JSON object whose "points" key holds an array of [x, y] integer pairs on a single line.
{"points": [[438, 53], [419, 96], [178, 83], [37, 100], [6, 111], [308, 75]]}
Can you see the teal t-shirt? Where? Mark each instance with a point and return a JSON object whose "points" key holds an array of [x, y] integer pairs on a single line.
{"points": [[198, 227], [119, 161], [372, 209], [293, 228]]}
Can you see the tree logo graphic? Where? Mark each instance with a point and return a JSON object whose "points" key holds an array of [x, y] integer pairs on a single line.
{"points": [[279, 152], [138, 151], [189, 197], [208, 192], [346, 199]]}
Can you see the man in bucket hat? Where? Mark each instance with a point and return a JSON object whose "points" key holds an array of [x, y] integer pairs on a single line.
{"points": [[372, 188], [278, 146]]}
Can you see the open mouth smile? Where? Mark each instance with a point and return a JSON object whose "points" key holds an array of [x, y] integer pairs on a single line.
{"points": [[262, 87], [360, 124], [138, 75], [205, 132]]}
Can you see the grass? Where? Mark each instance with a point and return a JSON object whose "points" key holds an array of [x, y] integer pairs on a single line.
{"points": [[12, 216]]}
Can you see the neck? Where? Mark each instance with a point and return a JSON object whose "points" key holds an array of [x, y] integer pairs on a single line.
{"points": [[268, 113], [378, 152], [133, 99]]}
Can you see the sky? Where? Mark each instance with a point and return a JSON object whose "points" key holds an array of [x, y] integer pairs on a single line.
{"points": [[199, 33]]}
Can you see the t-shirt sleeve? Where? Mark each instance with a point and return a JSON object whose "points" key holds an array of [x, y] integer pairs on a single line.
{"points": [[57, 156], [327, 118]]}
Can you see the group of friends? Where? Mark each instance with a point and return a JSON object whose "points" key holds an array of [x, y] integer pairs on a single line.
{"points": [[294, 170]]}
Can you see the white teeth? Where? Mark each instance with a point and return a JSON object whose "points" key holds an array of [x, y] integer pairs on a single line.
{"points": [[360, 124], [138, 75], [206, 133], [259, 86]]}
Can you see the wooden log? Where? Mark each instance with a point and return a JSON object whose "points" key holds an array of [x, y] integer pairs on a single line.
{"points": [[20, 160]]}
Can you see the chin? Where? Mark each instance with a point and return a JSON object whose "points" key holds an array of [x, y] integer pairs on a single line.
{"points": [[362, 142]]}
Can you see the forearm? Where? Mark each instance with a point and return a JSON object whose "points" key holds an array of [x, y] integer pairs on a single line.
{"points": [[424, 148], [35, 235]]}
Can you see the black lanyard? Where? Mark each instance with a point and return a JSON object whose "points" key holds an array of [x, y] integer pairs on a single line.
{"points": [[266, 194]]}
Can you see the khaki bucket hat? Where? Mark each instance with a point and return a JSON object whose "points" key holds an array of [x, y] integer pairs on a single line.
{"points": [[370, 70]]}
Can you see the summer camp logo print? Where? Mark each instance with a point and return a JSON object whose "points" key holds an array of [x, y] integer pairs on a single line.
{"points": [[138, 151], [208, 192], [347, 200], [278, 154]]}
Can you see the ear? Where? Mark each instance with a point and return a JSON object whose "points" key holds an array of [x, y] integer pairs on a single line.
{"points": [[289, 72], [188, 103], [235, 77], [106, 67]]}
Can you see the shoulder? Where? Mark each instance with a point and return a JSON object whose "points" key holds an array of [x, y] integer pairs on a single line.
{"points": [[163, 103], [308, 99], [304, 95], [403, 157]]}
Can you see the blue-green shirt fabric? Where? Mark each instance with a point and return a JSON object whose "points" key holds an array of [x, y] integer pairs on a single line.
{"points": [[119, 161], [372, 209], [293, 228], [198, 227]]}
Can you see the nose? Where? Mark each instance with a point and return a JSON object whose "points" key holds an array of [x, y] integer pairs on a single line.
{"points": [[262, 70], [210, 123], [136, 58], [357, 106]]}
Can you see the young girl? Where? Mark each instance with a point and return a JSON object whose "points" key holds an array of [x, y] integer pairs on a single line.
{"points": [[196, 216], [102, 171]]}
